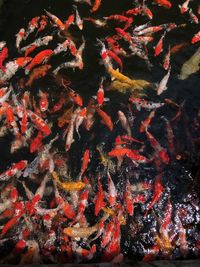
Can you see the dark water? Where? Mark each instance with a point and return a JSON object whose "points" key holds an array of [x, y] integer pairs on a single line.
{"points": [[181, 178]]}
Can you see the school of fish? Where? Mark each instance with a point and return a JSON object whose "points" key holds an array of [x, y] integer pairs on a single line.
{"points": [[86, 172]]}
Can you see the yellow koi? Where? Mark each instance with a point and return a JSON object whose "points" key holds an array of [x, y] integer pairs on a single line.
{"points": [[135, 84], [68, 186]]}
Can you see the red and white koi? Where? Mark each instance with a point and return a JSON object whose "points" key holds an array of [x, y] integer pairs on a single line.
{"points": [[39, 123], [43, 102], [43, 23], [100, 95], [3, 56], [146, 123], [193, 17], [70, 133], [85, 162], [112, 191], [79, 119], [162, 86], [19, 37], [16, 169], [142, 103], [161, 152], [184, 7], [146, 11], [56, 21], [43, 41], [159, 46], [12, 67], [166, 61], [32, 25], [78, 20]]}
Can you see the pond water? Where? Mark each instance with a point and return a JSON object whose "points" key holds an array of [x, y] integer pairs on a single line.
{"points": [[79, 182]]}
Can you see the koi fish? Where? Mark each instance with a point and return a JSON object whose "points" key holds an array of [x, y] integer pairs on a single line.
{"points": [[12, 67], [106, 118], [99, 201], [159, 46], [145, 124], [32, 25], [56, 20], [158, 190], [136, 84], [162, 154], [96, 6], [37, 43], [15, 169], [78, 20], [37, 73], [164, 3], [68, 186], [162, 85], [112, 191], [193, 17], [190, 66], [39, 123], [166, 62], [43, 102], [43, 23], [41, 57], [128, 199], [100, 95], [142, 103], [3, 56], [19, 37], [196, 38], [85, 161], [184, 7], [83, 232], [36, 143], [124, 122]]}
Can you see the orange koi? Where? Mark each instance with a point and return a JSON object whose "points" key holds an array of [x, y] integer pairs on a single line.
{"points": [[85, 161], [106, 119], [41, 57], [196, 38], [76, 98], [36, 143], [164, 3], [99, 201], [128, 199], [158, 190], [96, 5], [56, 20], [147, 121]]}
